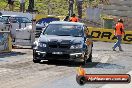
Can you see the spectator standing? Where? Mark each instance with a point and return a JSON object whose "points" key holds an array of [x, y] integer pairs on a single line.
{"points": [[79, 7], [74, 18], [0, 13], [119, 31], [66, 18], [22, 6], [71, 2], [11, 5]]}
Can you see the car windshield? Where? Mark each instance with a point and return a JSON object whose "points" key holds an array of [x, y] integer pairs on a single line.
{"points": [[4, 18], [20, 20], [64, 30], [15, 19]]}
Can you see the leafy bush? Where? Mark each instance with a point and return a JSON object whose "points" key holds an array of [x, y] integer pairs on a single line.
{"points": [[54, 7]]}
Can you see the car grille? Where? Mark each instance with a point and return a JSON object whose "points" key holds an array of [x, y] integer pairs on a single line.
{"points": [[59, 45], [63, 56], [64, 46], [53, 45]]}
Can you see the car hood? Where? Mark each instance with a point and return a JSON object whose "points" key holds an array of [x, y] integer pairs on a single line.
{"points": [[61, 39], [39, 26]]}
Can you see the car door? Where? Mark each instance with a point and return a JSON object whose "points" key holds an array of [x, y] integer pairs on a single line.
{"points": [[25, 22], [4, 23], [1, 24]]}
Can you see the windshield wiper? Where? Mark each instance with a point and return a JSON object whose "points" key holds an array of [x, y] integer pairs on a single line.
{"points": [[77, 35], [64, 35]]}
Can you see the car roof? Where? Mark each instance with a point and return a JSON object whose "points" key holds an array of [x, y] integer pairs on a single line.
{"points": [[11, 16], [66, 22], [8, 15]]}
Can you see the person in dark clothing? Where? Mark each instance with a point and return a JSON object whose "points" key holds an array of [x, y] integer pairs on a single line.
{"points": [[0, 13], [22, 6], [71, 4], [66, 18], [79, 7], [11, 4]]}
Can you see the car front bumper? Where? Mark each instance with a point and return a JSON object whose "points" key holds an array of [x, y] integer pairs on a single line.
{"points": [[70, 55]]}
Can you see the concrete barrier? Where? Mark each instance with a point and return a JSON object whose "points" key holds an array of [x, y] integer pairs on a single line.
{"points": [[5, 42], [107, 35]]}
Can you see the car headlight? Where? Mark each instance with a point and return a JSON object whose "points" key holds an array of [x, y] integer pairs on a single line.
{"points": [[35, 43], [39, 44], [77, 46], [42, 44]]}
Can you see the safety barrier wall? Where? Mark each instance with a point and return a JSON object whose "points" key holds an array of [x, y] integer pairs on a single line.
{"points": [[5, 42], [107, 35]]}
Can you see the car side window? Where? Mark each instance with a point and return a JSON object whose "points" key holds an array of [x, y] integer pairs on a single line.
{"points": [[13, 20], [3, 19], [25, 20], [18, 19]]}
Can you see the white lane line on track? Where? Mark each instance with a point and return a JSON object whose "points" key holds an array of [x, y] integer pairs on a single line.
{"points": [[4, 70], [104, 59], [95, 55], [119, 85]]}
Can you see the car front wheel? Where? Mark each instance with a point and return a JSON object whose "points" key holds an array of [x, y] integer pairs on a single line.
{"points": [[36, 60], [85, 59], [90, 57]]}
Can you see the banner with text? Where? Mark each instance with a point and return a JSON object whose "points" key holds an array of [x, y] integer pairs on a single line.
{"points": [[107, 35]]}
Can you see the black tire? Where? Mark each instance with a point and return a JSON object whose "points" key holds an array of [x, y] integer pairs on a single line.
{"points": [[85, 58], [81, 80], [90, 57], [85, 61], [36, 60]]}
